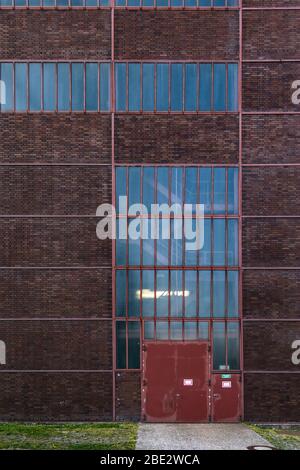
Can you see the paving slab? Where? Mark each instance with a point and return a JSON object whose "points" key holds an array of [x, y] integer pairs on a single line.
{"points": [[177, 436]]}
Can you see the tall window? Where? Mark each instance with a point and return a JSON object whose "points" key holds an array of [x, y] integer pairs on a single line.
{"points": [[168, 292], [119, 3]]}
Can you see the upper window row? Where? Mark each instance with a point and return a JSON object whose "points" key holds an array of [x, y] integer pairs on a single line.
{"points": [[119, 3], [139, 87]]}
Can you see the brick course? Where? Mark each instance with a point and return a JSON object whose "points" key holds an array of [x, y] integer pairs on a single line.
{"points": [[128, 396]]}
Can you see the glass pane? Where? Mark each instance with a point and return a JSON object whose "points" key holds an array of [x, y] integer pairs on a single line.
{"points": [[134, 92], [162, 293], [121, 344], [148, 87], [21, 86], [62, 3], [205, 189], [205, 87], [162, 3], [7, 78], [134, 247], [205, 3], [133, 345], [120, 187], [233, 242], [162, 243], [204, 293], [35, 87], [176, 330], [233, 335], [219, 242], [219, 190], [134, 187], [190, 293], [191, 197], [49, 87], [190, 255], [20, 3], [176, 293], [105, 87], [34, 3], [219, 3], [121, 242], [162, 185], [5, 3], [149, 329], [219, 294], [233, 293], [233, 190], [232, 3], [148, 187], [120, 293], [147, 243], [232, 87], [120, 3], [162, 87], [205, 252], [176, 3], [219, 347], [63, 87], [91, 87], [162, 330], [203, 331], [219, 87], [176, 87], [133, 293], [176, 186], [147, 3], [176, 242], [148, 293], [77, 87], [190, 330], [190, 96], [120, 77], [93, 3], [133, 3], [77, 3]]}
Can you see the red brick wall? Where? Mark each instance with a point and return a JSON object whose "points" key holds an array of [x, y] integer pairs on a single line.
{"points": [[55, 35], [176, 138], [176, 35], [128, 396], [271, 3]]}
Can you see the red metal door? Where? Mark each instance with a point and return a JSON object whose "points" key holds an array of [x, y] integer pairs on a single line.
{"points": [[226, 393], [175, 382]]}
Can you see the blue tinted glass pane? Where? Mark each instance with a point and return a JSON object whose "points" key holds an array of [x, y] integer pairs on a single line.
{"points": [[176, 292], [219, 190], [233, 296], [219, 346], [162, 330], [76, 3], [134, 183], [77, 87], [20, 3], [176, 87], [93, 3], [176, 3], [148, 87], [162, 243], [204, 293], [219, 87], [5, 3], [162, 87], [233, 343], [62, 3], [147, 3], [21, 86], [91, 87], [162, 3], [120, 77], [162, 185], [7, 93], [133, 345], [133, 3], [191, 175], [205, 87], [219, 3], [120, 186], [203, 331], [176, 185], [134, 245], [232, 3], [162, 293], [149, 330], [205, 252], [120, 293], [219, 294], [104, 87], [34, 3], [148, 243], [148, 187], [120, 3], [63, 87], [48, 3], [133, 293], [233, 242], [204, 3], [190, 254], [219, 242], [190, 293], [190, 95], [190, 3], [232, 87], [190, 330], [134, 88], [121, 344], [35, 87], [148, 293], [233, 190], [49, 87], [121, 243], [176, 242], [176, 330], [205, 189]]}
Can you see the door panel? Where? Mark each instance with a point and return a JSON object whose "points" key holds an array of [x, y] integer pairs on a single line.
{"points": [[226, 393], [175, 382]]}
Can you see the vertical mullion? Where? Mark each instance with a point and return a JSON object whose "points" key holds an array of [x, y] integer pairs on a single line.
{"points": [[169, 251], [99, 86], [183, 251], [198, 256]]}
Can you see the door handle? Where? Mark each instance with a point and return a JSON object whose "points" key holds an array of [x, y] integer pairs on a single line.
{"points": [[177, 395]]}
